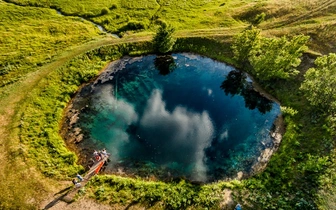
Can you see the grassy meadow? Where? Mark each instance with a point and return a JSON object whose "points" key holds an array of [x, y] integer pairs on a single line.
{"points": [[45, 57], [31, 37]]}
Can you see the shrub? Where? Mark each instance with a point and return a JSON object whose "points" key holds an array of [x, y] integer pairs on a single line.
{"points": [[114, 6], [259, 18], [133, 26], [288, 111], [105, 11]]}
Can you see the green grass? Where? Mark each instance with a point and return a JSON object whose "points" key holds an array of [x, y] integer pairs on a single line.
{"points": [[34, 149], [173, 195], [30, 37], [43, 111], [200, 14], [300, 175]]}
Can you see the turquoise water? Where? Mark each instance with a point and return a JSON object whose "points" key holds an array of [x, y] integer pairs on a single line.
{"points": [[180, 115]]}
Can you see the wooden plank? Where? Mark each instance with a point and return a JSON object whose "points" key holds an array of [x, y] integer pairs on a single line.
{"points": [[69, 197]]}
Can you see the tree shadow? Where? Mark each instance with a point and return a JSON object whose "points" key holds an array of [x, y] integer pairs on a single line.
{"points": [[63, 193], [131, 204], [64, 190], [236, 84], [165, 64]]}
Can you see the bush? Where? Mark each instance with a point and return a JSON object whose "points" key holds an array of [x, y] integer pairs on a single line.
{"points": [[288, 111], [133, 26], [114, 6], [105, 11], [259, 18]]}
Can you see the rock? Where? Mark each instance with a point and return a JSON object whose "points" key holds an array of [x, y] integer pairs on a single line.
{"points": [[79, 138], [74, 118], [239, 175], [227, 202], [77, 131]]}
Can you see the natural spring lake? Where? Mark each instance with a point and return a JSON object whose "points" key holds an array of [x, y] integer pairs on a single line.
{"points": [[172, 116]]}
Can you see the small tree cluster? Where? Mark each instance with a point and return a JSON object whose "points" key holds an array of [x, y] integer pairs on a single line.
{"points": [[319, 85], [244, 43], [164, 41], [270, 58]]}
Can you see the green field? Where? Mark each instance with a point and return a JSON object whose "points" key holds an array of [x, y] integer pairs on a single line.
{"points": [[45, 57]]}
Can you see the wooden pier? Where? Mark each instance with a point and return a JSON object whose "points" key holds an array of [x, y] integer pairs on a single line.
{"points": [[69, 196]]}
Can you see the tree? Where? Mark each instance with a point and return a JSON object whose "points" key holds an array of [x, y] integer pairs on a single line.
{"points": [[319, 86], [163, 40], [277, 58], [270, 58], [244, 43]]}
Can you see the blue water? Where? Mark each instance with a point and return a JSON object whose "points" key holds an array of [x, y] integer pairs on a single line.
{"points": [[180, 115]]}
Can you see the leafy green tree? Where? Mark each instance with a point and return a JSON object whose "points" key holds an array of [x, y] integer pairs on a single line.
{"points": [[163, 40], [270, 58], [244, 43], [319, 85], [277, 58]]}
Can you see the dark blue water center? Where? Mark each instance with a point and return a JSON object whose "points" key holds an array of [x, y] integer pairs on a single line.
{"points": [[180, 115]]}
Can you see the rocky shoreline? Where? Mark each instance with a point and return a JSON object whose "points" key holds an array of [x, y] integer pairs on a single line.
{"points": [[75, 137]]}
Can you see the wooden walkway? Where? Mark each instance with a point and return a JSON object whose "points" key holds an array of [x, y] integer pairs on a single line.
{"points": [[69, 197]]}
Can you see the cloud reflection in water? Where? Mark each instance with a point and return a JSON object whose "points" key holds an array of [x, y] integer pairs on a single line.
{"points": [[116, 116], [168, 138], [180, 135]]}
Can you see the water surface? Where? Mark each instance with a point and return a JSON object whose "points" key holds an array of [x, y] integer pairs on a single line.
{"points": [[180, 115]]}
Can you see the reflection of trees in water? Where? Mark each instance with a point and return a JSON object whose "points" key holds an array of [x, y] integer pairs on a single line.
{"points": [[236, 84], [254, 100], [165, 64]]}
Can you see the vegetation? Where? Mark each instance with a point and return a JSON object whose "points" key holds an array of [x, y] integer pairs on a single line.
{"points": [[319, 85], [244, 43], [270, 58], [278, 58], [173, 195], [181, 15], [259, 18], [31, 37], [164, 41], [44, 110], [300, 175]]}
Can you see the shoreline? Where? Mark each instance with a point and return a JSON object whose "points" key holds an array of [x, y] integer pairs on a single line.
{"points": [[73, 136]]}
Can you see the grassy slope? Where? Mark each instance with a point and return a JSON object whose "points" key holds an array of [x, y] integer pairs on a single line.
{"points": [[30, 37], [280, 22], [181, 14], [22, 164]]}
